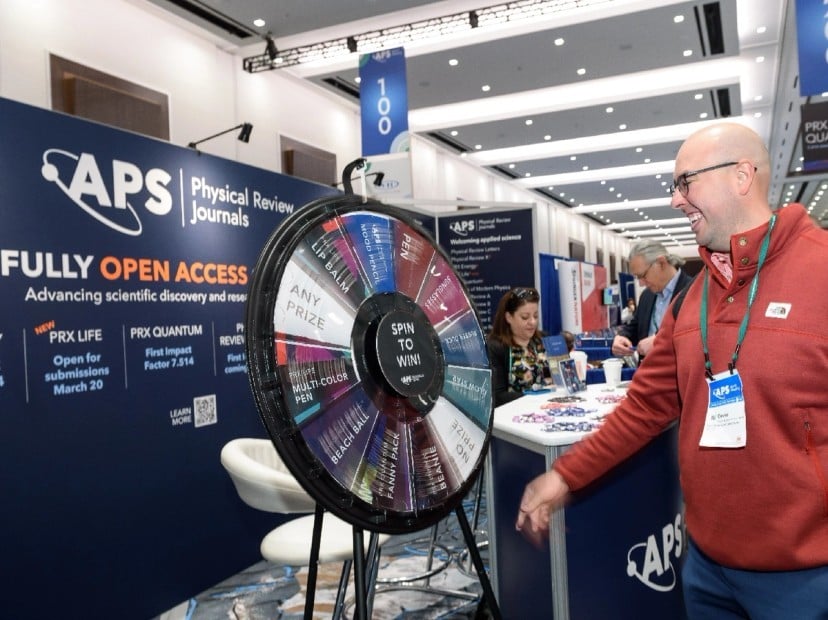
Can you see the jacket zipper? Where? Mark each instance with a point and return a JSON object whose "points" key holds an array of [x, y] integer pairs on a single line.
{"points": [[810, 449]]}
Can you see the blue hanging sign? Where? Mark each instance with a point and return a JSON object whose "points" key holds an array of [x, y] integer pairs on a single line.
{"points": [[383, 96], [812, 38]]}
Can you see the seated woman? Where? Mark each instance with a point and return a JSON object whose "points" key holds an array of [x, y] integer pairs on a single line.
{"points": [[516, 351]]}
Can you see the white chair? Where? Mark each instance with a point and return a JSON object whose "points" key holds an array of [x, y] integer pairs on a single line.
{"points": [[263, 481]]}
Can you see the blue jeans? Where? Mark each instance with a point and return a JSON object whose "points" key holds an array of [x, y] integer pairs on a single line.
{"points": [[714, 592]]}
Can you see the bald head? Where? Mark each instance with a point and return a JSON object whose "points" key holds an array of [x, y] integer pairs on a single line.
{"points": [[726, 173]]}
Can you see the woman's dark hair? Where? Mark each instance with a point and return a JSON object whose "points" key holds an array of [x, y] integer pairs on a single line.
{"points": [[510, 302]]}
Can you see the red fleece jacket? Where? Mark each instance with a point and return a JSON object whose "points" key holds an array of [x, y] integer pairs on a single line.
{"points": [[764, 506]]}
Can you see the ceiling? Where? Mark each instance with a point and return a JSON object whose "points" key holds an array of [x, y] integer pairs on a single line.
{"points": [[586, 105]]}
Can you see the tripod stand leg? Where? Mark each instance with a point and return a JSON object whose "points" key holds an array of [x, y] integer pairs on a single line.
{"points": [[474, 553], [313, 562], [359, 576]]}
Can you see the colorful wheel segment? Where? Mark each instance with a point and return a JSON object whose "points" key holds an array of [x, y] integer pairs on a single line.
{"points": [[368, 364]]}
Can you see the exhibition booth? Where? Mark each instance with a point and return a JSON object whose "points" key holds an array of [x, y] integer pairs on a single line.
{"points": [[126, 264]]}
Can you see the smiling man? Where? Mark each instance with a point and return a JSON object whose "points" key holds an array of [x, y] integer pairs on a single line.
{"points": [[753, 433]]}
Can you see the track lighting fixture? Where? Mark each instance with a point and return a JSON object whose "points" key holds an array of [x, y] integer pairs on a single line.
{"points": [[244, 134], [270, 48]]}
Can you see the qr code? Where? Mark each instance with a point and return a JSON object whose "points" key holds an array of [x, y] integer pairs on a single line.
{"points": [[205, 410]]}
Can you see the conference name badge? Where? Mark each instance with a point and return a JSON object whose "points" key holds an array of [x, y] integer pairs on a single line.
{"points": [[725, 425]]}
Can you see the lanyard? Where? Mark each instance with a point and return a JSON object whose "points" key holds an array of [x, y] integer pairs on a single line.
{"points": [[754, 286]]}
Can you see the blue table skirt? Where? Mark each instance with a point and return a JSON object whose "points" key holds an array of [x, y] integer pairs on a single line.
{"points": [[596, 375]]}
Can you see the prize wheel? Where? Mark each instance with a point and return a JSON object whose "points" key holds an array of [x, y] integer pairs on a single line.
{"points": [[368, 364]]}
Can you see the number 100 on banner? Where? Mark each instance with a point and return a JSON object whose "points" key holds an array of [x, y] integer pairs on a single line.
{"points": [[383, 102]]}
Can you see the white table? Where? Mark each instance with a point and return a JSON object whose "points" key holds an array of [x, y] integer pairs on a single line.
{"points": [[613, 553]]}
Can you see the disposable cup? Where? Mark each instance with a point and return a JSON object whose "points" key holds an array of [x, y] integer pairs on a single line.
{"points": [[612, 371]]}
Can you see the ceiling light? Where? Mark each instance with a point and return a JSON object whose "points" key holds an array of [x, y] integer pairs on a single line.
{"points": [[485, 88], [757, 98], [757, 115], [678, 19], [453, 62], [622, 126], [573, 157], [352, 44], [454, 132], [477, 147], [547, 137], [638, 149], [687, 53], [703, 115], [761, 30], [698, 96], [527, 174], [647, 160], [259, 22], [511, 166], [559, 41], [529, 121], [610, 109], [760, 59], [581, 71], [584, 168], [473, 19], [358, 79]]}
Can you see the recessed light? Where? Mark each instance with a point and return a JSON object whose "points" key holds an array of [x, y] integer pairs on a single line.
{"points": [[698, 96], [638, 149], [573, 157], [647, 160], [758, 98], [527, 174], [622, 126], [584, 168], [563, 194], [703, 115], [678, 19], [477, 147], [761, 30], [760, 59], [612, 189], [757, 115], [571, 200], [687, 53], [453, 62], [259, 22], [547, 137], [454, 132], [603, 182], [581, 71], [559, 41], [610, 110], [485, 88], [529, 121], [511, 166]]}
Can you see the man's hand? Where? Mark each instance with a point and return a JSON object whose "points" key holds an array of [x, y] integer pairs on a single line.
{"points": [[645, 345], [545, 494], [621, 346]]}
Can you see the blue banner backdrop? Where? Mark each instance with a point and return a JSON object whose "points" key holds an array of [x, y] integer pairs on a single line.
{"points": [[812, 42], [492, 251], [815, 136], [124, 264], [383, 99]]}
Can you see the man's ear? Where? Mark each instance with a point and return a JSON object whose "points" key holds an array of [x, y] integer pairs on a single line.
{"points": [[745, 173]]}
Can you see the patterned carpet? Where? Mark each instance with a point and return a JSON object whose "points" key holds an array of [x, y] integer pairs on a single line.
{"points": [[271, 592]]}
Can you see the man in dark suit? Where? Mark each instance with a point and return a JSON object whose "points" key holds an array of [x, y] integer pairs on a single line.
{"points": [[660, 272]]}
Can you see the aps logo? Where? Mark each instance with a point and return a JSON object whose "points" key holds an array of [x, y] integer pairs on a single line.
{"points": [[80, 178], [651, 562], [462, 227]]}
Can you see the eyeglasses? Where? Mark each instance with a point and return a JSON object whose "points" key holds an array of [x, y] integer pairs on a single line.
{"points": [[683, 186], [643, 276]]}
